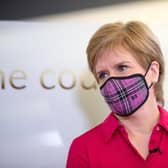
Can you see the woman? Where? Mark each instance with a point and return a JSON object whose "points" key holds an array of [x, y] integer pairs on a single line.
{"points": [[127, 63]]}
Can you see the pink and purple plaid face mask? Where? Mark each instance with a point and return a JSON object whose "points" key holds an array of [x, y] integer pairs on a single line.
{"points": [[125, 94]]}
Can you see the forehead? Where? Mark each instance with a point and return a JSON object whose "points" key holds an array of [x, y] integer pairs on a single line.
{"points": [[114, 56]]}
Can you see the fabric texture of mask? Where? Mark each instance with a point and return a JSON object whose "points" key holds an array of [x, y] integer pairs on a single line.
{"points": [[125, 95]]}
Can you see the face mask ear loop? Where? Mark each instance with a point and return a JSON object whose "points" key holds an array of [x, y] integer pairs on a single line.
{"points": [[147, 69], [150, 85], [146, 73]]}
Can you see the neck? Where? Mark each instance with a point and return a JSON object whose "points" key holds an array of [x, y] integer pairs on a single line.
{"points": [[142, 121]]}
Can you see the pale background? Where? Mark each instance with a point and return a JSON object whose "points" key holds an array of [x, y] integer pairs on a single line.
{"points": [[38, 125]]}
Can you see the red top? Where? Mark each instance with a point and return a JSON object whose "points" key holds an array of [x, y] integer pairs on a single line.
{"points": [[107, 146]]}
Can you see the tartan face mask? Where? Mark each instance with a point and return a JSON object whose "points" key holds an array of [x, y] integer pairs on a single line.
{"points": [[125, 94]]}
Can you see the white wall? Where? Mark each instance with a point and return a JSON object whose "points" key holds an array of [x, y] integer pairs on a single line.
{"points": [[37, 125]]}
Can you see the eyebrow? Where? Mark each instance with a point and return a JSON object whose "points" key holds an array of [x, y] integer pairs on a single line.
{"points": [[115, 65], [121, 63]]}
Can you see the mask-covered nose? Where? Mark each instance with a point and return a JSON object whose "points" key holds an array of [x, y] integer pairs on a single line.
{"points": [[125, 95]]}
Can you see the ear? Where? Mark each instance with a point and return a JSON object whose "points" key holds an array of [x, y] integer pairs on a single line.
{"points": [[154, 68]]}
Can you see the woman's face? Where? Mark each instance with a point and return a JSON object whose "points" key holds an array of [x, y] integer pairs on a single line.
{"points": [[118, 62]]}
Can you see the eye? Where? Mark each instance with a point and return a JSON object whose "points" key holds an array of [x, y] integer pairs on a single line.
{"points": [[122, 67], [102, 75]]}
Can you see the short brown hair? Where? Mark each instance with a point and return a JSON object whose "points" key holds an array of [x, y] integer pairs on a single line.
{"points": [[137, 38]]}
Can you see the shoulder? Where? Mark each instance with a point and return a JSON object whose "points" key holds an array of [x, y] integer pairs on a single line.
{"points": [[78, 152], [89, 136], [163, 121], [99, 133], [88, 140]]}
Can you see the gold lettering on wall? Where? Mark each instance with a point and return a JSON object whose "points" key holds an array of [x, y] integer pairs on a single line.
{"points": [[66, 80], [2, 79], [61, 78], [42, 81], [87, 81], [17, 75]]}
